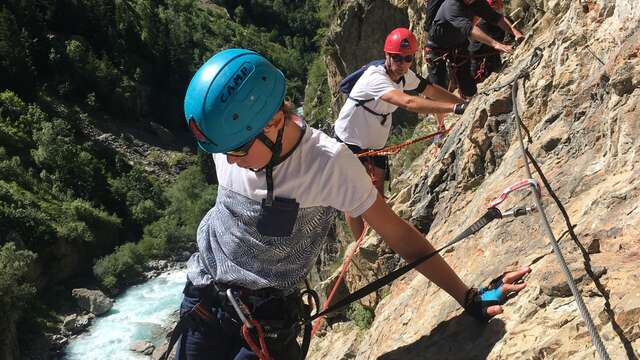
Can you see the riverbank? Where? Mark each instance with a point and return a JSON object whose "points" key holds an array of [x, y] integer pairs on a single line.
{"points": [[141, 316]]}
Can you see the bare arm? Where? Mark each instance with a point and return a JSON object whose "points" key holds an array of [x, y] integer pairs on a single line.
{"points": [[481, 36], [436, 92], [409, 243], [416, 103], [505, 25]]}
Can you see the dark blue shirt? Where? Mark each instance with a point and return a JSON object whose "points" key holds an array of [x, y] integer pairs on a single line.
{"points": [[452, 24]]}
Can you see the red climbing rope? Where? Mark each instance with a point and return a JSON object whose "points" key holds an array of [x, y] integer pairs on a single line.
{"points": [[394, 149], [343, 271]]}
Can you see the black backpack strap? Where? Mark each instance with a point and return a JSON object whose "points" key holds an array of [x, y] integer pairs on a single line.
{"points": [[362, 104]]}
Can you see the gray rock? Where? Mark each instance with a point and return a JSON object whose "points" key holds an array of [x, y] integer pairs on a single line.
{"points": [[551, 144], [500, 105], [622, 80], [141, 346], [94, 301], [75, 324]]}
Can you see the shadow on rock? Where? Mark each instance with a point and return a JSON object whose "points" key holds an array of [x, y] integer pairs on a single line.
{"points": [[458, 338]]}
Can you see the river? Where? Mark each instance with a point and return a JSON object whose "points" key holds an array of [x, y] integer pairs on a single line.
{"points": [[138, 314]]}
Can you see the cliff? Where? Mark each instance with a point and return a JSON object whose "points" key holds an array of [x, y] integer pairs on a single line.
{"points": [[581, 106]]}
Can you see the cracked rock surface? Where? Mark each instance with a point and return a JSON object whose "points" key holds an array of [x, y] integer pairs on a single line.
{"points": [[583, 118]]}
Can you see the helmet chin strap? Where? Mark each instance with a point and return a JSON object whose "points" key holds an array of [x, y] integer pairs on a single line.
{"points": [[276, 149]]}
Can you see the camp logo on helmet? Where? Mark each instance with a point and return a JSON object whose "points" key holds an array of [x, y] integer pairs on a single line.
{"points": [[404, 43], [236, 80]]}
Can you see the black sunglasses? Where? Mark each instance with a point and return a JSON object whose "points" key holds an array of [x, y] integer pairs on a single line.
{"points": [[400, 58], [241, 150]]}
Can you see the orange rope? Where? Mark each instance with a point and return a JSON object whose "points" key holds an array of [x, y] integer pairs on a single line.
{"points": [[394, 149], [343, 271]]}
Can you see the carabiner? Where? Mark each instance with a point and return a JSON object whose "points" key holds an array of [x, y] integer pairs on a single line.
{"points": [[519, 211], [260, 350], [518, 185], [240, 308]]}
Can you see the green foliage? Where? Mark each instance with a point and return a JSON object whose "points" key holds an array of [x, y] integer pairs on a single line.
{"points": [[115, 270], [79, 221], [317, 102], [16, 293], [17, 122], [140, 195], [67, 165], [361, 315], [165, 238], [22, 218], [16, 67], [189, 198]]}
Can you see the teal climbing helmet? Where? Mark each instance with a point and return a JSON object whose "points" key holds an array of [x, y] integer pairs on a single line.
{"points": [[231, 98]]}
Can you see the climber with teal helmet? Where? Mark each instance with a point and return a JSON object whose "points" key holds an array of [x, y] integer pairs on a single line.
{"points": [[279, 184]]}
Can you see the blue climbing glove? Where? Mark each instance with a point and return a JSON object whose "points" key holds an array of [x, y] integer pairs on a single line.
{"points": [[476, 301]]}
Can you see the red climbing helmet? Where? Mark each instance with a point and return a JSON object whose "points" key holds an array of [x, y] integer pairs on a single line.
{"points": [[496, 4], [401, 41]]}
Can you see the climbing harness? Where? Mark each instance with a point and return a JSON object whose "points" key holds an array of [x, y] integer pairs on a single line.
{"points": [[454, 59], [254, 331], [349, 81]]}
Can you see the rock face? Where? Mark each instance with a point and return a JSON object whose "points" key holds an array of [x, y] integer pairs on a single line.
{"points": [[583, 120], [93, 301]]}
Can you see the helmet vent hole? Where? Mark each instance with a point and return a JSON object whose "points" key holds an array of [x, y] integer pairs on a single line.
{"points": [[249, 128], [235, 116], [264, 78]]}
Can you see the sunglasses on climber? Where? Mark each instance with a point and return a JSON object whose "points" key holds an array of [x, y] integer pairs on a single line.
{"points": [[241, 150], [399, 58]]}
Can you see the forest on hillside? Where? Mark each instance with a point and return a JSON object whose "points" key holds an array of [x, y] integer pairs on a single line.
{"points": [[71, 208]]}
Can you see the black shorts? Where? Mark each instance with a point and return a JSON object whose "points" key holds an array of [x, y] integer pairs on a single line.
{"points": [[379, 161]]}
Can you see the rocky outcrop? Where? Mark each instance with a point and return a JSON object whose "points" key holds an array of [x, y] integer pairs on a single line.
{"points": [[581, 106], [93, 301], [75, 324]]}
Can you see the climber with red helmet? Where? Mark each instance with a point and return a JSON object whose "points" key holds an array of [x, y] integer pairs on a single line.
{"points": [[450, 26], [279, 184], [364, 121]]}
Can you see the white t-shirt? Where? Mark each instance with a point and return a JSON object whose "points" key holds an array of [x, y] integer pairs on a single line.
{"points": [[356, 125], [320, 172]]}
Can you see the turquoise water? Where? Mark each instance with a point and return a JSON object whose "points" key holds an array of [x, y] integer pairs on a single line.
{"points": [[138, 314]]}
